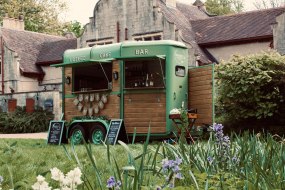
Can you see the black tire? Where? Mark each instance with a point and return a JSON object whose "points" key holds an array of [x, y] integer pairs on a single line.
{"points": [[97, 133], [77, 134]]}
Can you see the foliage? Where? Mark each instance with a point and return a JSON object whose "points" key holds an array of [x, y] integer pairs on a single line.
{"points": [[223, 7], [140, 166], [265, 4], [22, 122], [40, 15], [251, 86], [73, 26]]}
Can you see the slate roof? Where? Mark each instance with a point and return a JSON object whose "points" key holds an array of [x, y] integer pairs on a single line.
{"points": [[181, 16], [191, 12], [252, 25], [33, 47], [52, 52]]}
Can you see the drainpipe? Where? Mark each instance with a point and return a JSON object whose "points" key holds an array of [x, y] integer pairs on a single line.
{"points": [[2, 64], [126, 33], [118, 32]]}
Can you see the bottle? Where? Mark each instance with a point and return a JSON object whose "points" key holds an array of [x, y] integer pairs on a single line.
{"points": [[151, 82], [147, 81], [143, 82]]}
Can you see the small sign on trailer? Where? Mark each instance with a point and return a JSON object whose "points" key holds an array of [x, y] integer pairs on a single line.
{"points": [[55, 132], [116, 132]]}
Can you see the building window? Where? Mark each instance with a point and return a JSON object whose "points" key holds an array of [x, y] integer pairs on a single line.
{"points": [[148, 37], [99, 43], [92, 77]]}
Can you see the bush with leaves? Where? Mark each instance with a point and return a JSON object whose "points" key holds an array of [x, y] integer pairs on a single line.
{"points": [[22, 122], [251, 87]]}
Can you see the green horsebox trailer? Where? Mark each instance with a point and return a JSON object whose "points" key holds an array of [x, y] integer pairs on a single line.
{"points": [[137, 82]]}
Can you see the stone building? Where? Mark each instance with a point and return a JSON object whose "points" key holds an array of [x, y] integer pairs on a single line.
{"points": [[121, 20], [209, 38], [26, 76]]}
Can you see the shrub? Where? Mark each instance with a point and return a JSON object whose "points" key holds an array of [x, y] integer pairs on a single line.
{"points": [[251, 87], [23, 122]]}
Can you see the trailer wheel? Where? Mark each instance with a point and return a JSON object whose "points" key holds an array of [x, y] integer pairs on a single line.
{"points": [[97, 134], [77, 134]]}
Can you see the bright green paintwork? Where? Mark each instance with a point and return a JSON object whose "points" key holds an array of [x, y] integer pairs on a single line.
{"points": [[174, 53]]}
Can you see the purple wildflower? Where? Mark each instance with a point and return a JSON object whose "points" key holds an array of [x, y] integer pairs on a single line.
{"points": [[171, 185], [175, 168], [111, 182], [178, 161], [179, 176], [218, 127], [235, 159], [210, 159]]}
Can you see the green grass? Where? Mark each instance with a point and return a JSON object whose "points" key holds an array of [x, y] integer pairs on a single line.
{"points": [[261, 165]]}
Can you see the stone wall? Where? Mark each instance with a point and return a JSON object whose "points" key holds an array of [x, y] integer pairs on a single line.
{"points": [[132, 17], [39, 97], [279, 34]]}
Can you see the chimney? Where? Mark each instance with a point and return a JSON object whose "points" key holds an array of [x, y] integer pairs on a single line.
{"points": [[13, 23], [202, 7], [198, 3], [170, 3]]}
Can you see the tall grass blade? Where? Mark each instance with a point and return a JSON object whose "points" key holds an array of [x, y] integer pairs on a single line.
{"points": [[194, 179], [66, 152], [89, 153], [134, 135]]}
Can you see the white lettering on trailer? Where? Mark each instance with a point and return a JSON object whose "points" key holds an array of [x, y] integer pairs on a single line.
{"points": [[77, 59], [141, 51], [105, 55]]}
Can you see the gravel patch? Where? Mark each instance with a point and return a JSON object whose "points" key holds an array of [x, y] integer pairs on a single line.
{"points": [[24, 136]]}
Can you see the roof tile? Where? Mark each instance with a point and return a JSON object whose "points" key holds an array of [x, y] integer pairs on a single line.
{"points": [[237, 27]]}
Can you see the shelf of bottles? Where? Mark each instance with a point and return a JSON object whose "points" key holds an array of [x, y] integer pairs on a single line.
{"points": [[140, 76]]}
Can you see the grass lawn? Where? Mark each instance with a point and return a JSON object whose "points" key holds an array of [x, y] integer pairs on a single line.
{"points": [[249, 162]]}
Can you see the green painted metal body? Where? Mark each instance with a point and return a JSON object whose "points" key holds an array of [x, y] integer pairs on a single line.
{"points": [[174, 53]]}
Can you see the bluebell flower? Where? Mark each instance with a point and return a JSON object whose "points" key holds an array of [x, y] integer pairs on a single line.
{"points": [[235, 160], [111, 182], [178, 176], [175, 169], [1, 179], [210, 159], [171, 185], [178, 161]]}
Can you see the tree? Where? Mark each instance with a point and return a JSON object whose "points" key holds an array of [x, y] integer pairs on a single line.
{"points": [[39, 15], [73, 26], [223, 7], [265, 4]]}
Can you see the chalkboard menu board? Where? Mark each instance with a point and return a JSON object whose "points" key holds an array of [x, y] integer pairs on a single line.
{"points": [[55, 132], [116, 132]]}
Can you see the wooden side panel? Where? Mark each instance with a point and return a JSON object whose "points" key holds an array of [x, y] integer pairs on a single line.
{"points": [[144, 110], [111, 108], [200, 93]]}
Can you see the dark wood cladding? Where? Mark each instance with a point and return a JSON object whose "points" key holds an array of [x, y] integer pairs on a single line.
{"points": [[144, 110], [200, 93]]}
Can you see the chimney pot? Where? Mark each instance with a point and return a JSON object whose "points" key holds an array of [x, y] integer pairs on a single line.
{"points": [[170, 3]]}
